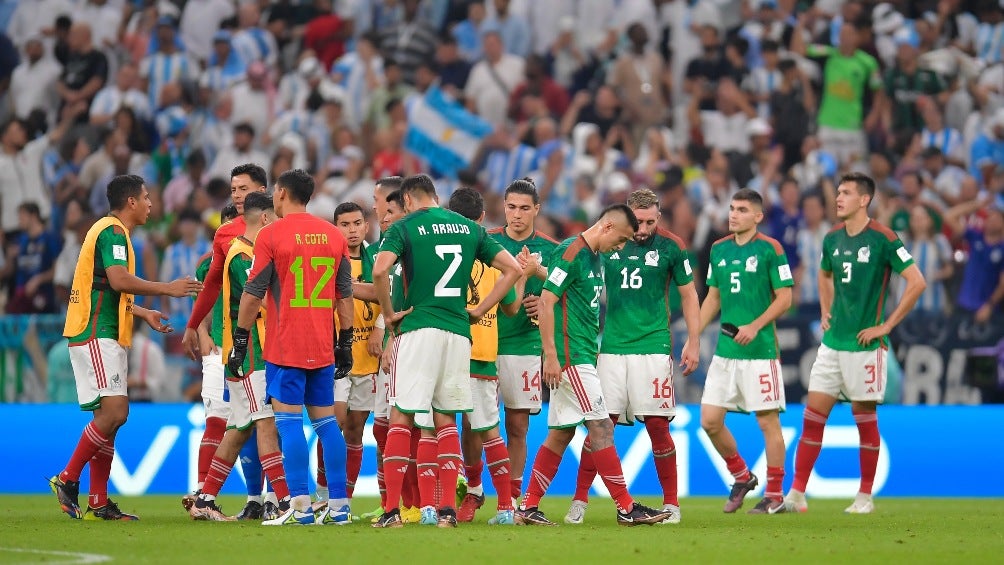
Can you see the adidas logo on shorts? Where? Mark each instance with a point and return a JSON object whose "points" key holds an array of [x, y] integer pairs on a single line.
{"points": [[665, 405], [535, 398]]}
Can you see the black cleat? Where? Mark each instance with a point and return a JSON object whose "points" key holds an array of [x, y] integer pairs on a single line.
{"points": [[252, 511], [110, 511], [641, 515], [532, 517], [447, 518], [67, 493], [739, 492], [188, 500], [270, 511], [768, 506], [390, 519]]}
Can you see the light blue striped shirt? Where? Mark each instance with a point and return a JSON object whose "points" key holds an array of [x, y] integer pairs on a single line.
{"points": [[503, 167], [930, 256], [810, 251], [162, 68], [990, 42]]}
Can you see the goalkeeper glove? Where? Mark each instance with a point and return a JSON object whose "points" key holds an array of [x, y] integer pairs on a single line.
{"points": [[239, 351], [343, 353]]}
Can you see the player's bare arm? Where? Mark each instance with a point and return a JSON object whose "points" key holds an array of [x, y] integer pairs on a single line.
{"points": [[364, 291], [153, 318], [915, 285], [511, 273], [122, 281], [551, 368], [691, 306], [710, 308], [512, 308], [778, 306], [825, 298], [205, 340]]}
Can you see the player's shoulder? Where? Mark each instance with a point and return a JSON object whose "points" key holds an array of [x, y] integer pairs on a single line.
{"points": [[729, 239], [665, 234], [544, 237], [207, 256], [836, 231], [497, 231], [230, 229], [571, 247], [773, 243], [882, 230]]}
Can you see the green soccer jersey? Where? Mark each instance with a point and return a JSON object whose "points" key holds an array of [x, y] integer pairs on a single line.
{"points": [[437, 249], [110, 249], [238, 271], [844, 82], [861, 267], [575, 276], [637, 279], [518, 335], [746, 277], [216, 326]]}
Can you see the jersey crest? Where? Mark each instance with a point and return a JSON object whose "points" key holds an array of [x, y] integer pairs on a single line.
{"points": [[864, 254], [751, 263], [652, 258]]}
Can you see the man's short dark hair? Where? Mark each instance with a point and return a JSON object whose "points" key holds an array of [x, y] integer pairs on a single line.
{"points": [[397, 197], [256, 172], [122, 188], [749, 195], [770, 45], [257, 202], [863, 182], [525, 186], [244, 127], [468, 203], [390, 183], [228, 213], [298, 183], [623, 209], [348, 208], [196, 159], [419, 183], [30, 208]]}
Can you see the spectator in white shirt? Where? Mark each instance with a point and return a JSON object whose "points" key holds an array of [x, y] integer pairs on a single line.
{"points": [[32, 17], [255, 100], [199, 21], [124, 92], [167, 64], [33, 84], [252, 42], [104, 19], [242, 151], [725, 127], [493, 79]]}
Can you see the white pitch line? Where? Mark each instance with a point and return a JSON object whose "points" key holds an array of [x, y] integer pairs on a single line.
{"points": [[75, 557]]}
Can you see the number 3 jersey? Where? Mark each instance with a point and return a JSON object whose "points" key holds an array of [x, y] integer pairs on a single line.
{"points": [[437, 249], [303, 264], [575, 276], [637, 280], [861, 266], [746, 277]]}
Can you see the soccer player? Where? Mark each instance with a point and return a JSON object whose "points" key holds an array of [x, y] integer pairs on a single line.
{"points": [[519, 335], [858, 258], [570, 316], [431, 371], [635, 365], [248, 410], [302, 263], [750, 282], [480, 426], [99, 325], [244, 179]]}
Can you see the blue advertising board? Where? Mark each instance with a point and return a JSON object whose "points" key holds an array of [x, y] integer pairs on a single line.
{"points": [[156, 452]]}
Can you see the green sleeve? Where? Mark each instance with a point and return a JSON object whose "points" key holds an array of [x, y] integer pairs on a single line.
{"points": [[683, 272], [510, 296], [712, 277], [561, 273], [899, 257], [394, 240], [825, 263], [488, 248], [113, 247], [818, 50], [780, 271], [874, 76]]}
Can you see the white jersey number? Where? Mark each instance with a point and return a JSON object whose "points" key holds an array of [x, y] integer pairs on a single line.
{"points": [[630, 281], [441, 289]]}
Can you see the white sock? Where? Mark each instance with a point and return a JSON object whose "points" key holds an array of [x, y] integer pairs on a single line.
{"points": [[336, 503], [198, 486], [476, 491], [254, 498], [207, 497], [322, 493], [270, 497]]}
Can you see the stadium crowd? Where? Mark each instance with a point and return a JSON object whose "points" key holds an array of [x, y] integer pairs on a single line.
{"points": [[590, 98]]}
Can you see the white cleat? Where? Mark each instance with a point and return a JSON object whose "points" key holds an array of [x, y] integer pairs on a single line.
{"points": [[292, 517], [795, 502], [862, 504], [576, 512], [674, 517]]}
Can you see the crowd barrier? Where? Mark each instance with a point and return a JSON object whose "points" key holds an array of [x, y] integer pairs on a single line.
{"points": [[939, 451]]}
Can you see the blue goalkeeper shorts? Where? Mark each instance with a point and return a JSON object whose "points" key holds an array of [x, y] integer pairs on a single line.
{"points": [[294, 385]]}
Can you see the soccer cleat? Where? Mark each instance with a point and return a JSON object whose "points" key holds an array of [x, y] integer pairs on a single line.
{"points": [[335, 517], [292, 517], [429, 516], [252, 511], [576, 512], [532, 517], [110, 511], [461, 489], [390, 519], [795, 501], [67, 493], [768, 506], [739, 492], [270, 511], [372, 514], [640, 515], [188, 500], [208, 510], [469, 506], [503, 518], [674, 514], [447, 518], [411, 515], [863, 504]]}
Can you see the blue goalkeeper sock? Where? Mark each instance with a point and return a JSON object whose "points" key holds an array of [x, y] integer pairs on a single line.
{"points": [[330, 436], [251, 465], [294, 451]]}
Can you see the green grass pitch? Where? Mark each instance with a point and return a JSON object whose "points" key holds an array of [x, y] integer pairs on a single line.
{"points": [[33, 530]]}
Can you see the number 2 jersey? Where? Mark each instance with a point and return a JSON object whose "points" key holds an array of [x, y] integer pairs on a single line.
{"points": [[861, 267], [746, 277], [575, 276], [437, 249], [638, 278], [303, 264]]}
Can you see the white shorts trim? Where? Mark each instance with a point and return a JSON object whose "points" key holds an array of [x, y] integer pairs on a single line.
{"points": [[744, 385], [100, 368], [635, 386], [519, 382], [431, 371], [578, 398], [247, 401], [850, 375], [213, 384]]}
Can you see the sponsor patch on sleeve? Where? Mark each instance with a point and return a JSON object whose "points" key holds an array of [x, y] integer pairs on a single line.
{"points": [[119, 253], [686, 267], [903, 254], [784, 272], [557, 276]]}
